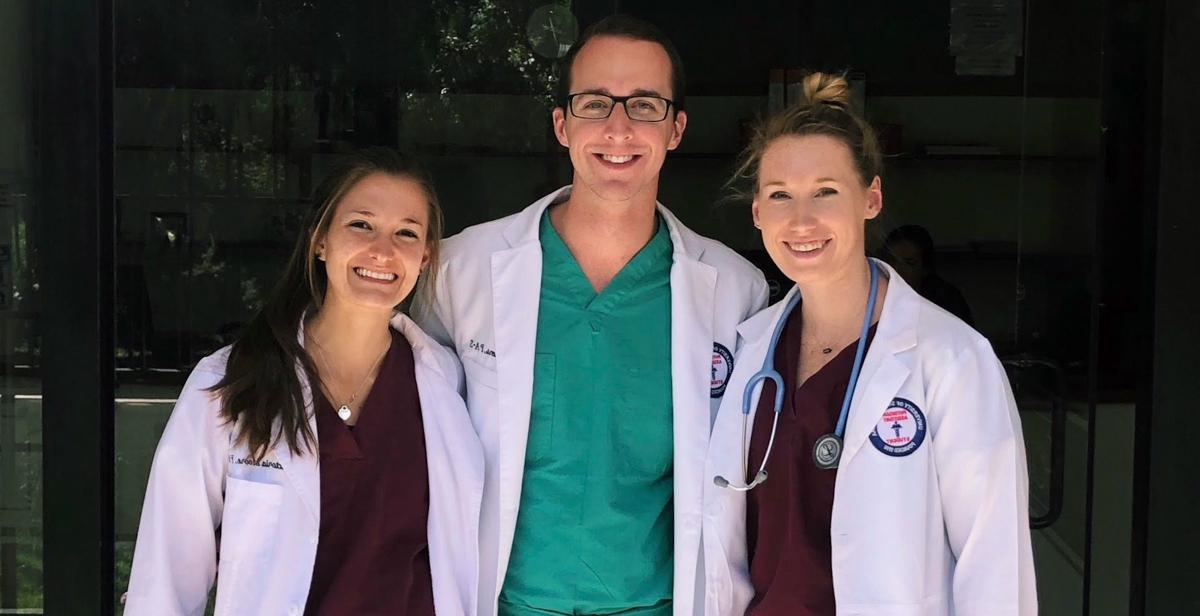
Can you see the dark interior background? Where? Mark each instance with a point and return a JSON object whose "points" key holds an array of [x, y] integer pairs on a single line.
{"points": [[205, 125]]}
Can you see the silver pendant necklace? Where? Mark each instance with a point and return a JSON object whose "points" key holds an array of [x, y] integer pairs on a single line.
{"points": [[344, 412]]}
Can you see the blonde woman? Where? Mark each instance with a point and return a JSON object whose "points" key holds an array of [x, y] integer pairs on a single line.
{"points": [[868, 457]]}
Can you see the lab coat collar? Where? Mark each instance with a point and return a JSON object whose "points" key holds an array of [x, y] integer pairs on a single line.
{"points": [[887, 364], [763, 322], [427, 352], [524, 227]]}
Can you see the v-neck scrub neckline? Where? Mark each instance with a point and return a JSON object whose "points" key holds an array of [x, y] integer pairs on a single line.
{"points": [[372, 546]]}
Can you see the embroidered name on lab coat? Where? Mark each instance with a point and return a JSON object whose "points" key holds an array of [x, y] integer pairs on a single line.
{"points": [[252, 462], [481, 347]]}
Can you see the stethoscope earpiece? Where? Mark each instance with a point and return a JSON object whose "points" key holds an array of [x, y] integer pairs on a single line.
{"points": [[724, 483]]}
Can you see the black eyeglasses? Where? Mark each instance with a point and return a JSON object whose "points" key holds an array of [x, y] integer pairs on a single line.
{"points": [[591, 106]]}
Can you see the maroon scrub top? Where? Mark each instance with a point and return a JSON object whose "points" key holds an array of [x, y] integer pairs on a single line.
{"points": [[373, 549], [791, 568]]}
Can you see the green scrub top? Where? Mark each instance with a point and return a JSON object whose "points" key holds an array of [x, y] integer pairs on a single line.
{"points": [[594, 532]]}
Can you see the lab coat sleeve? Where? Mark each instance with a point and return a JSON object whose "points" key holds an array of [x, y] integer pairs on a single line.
{"points": [[980, 461], [175, 557]]}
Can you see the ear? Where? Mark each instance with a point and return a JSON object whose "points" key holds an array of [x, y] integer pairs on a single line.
{"points": [[321, 250], [424, 259], [874, 198], [754, 214], [678, 125], [559, 118]]}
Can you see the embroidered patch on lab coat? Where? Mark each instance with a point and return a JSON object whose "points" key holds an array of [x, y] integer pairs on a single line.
{"points": [[900, 430], [722, 367]]}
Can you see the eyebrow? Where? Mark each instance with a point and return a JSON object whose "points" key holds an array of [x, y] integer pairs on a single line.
{"points": [[636, 92], [782, 183], [370, 214]]}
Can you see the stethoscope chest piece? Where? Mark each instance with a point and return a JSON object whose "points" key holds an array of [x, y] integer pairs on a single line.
{"points": [[827, 451]]}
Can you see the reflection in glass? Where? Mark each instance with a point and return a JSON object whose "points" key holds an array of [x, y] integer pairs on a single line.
{"points": [[20, 384], [217, 145]]}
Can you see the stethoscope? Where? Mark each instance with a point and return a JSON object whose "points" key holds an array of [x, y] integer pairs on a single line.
{"points": [[827, 450]]}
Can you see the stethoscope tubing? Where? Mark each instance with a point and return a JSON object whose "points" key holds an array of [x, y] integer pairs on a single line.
{"points": [[768, 371], [840, 430]]}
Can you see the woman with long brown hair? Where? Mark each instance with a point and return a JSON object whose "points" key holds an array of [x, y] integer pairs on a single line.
{"points": [[324, 463], [867, 457]]}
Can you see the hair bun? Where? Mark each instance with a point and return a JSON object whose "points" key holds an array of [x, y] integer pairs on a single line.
{"points": [[829, 89]]}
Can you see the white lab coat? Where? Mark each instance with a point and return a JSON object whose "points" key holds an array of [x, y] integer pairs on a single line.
{"points": [[942, 530], [268, 514], [487, 296]]}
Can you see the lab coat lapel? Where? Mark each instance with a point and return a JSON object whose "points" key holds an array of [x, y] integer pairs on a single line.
{"points": [[516, 291], [304, 469], [886, 366], [882, 375], [447, 430], [455, 467], [693, 295], [693, 301]]}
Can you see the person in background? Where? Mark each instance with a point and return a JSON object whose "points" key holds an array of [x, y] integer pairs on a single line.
{"points": [[868, 457], [324, 463], [909, 249]]}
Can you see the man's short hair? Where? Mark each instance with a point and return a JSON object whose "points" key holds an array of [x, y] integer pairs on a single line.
{"points": [[625, 26]]}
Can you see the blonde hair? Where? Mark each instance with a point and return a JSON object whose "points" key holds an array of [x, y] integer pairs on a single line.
{"points": [[825, 110]]}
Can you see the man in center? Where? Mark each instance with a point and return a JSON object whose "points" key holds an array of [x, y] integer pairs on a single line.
{"points": [[597, 335]]}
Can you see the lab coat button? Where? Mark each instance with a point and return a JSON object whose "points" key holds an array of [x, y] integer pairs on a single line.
{"points": [[294, 611]]}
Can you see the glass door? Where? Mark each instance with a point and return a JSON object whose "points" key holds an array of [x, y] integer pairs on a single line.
{"points": [[20, 382]]}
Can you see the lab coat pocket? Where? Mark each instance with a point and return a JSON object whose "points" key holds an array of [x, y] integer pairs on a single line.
{"points": [[478, 374], [250, 517], [541, 418], [248, 538]]}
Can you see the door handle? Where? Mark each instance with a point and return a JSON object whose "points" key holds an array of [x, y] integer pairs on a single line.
{"points": [[1058, 438]]}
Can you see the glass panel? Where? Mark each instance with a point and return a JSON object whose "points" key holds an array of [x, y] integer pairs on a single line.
{"points": [[991, 147], [218, 147], [20, 384]]}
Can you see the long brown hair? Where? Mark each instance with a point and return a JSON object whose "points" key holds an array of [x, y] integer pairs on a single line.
{"points": [[261, 384]]}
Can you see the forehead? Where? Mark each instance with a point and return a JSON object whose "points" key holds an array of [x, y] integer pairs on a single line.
{"points": [[794, 158], [621, 65], [385, 196]]}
